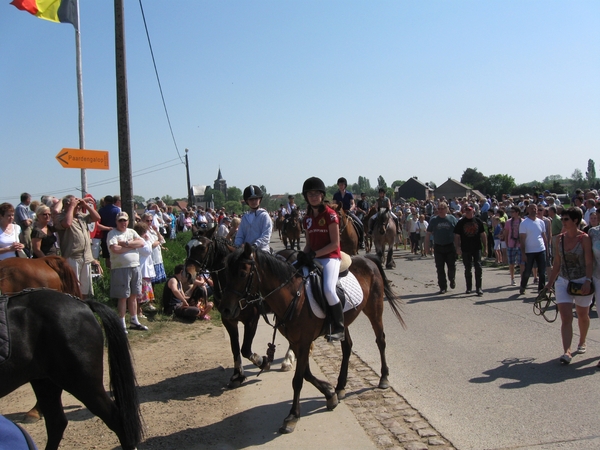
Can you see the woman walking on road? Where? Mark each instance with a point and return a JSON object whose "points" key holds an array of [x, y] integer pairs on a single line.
{"points": [[573, 262]]}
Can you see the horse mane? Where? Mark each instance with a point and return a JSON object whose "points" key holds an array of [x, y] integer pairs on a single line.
{"points": [[279, 269], [221, 251]]}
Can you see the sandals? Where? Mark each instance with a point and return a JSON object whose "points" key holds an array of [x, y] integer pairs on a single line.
{"points": [[565, 359], [137, 326], [204, 317]]}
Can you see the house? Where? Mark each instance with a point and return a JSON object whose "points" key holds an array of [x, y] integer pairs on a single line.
{"points": [[452, 188], [413, 188], [198, 194]]}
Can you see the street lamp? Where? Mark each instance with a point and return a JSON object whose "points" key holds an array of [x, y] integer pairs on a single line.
{"points": [[187, 170]]}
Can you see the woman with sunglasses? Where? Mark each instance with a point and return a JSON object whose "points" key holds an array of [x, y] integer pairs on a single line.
{"points": [[43, 239], [573, 262]]}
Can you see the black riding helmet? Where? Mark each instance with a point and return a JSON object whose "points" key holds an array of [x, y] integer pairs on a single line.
{"points": [[252, 191], [313, 184], [342, 180]]}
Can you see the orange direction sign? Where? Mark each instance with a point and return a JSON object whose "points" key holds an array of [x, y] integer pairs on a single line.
{"points": [[74, 158]]}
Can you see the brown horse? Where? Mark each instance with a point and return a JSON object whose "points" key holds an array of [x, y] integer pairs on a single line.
{"points": [[384, 233], [368, 237], [52, 272], [279, 220], [348, 234], [254, 276], [293, 230]]}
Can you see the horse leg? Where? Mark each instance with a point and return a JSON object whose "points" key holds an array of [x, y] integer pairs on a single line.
{"points": [[340, 389], [323, 386], [49, 400], [390, 258], [288, 360], [377, 325], [249, 332], [290, 422], [238, 376]]}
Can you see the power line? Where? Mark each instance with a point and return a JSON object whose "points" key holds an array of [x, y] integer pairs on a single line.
{"points": [[158, 80], [136, 173]]}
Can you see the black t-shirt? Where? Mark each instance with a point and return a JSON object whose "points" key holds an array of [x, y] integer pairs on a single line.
{"points": [[470, 233]]}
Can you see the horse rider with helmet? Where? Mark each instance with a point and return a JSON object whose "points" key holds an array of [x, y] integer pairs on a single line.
{"points": [[346, 200], [321, 224], [288, 211], [383, 202], [256, 225]]}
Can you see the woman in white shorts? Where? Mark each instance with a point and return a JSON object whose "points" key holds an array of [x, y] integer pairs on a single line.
{"points": [[573, 262]]}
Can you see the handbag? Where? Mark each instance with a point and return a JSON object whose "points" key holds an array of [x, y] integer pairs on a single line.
{"points": [[573, 287]]}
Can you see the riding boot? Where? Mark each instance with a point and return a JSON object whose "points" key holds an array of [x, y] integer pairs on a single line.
{"points": [[398, 230], [336, 323]]}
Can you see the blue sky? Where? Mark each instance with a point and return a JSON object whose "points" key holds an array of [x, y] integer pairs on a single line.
{"points": [[273, 92]]}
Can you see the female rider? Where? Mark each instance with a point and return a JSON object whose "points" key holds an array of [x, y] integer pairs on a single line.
{"points": [[322, 228]]}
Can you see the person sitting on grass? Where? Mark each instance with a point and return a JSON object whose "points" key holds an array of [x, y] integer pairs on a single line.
{"points": [[178, 302]]}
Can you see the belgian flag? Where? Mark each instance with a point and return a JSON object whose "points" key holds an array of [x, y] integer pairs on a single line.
{"points": [[63, 11]]}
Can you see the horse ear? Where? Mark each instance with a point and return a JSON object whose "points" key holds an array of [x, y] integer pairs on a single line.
{"points": [[209, 234], [247, 250]]}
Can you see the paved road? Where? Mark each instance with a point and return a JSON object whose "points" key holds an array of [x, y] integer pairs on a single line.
{"points": [[484, 371]]}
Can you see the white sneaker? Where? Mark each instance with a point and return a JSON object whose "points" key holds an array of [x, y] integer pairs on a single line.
{"points": [[512, 282]]}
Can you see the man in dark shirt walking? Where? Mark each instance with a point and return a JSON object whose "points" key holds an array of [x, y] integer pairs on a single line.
{"points": [[442, 228], [470, 240]]}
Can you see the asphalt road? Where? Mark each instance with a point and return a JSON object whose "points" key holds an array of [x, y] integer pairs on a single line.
{"points": [[484, 371]]}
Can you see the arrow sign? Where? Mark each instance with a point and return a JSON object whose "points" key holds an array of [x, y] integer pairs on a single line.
{"points": [[74, 158]]}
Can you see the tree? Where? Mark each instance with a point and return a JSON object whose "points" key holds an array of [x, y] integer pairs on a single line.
{"points": [[473, 178], [234, 194], [364, 185], [381, 182], [499, 184], [167, 199], [139, 200], [577, 177], [397, 183], [591, 173], [233, 206]]}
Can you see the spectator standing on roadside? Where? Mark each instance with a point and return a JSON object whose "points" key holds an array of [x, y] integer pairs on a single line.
{"points": [[534, 244], [74, 237], [108, 220], [9, 232], [511, 236], [125, 274], [24, 218], [43, 239], [441, 227], [470, 240]]}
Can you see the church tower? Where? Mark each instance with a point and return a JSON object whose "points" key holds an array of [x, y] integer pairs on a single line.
{"points": [[220, 184]]}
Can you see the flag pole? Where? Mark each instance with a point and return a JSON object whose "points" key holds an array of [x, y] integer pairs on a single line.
{"points": [[80, 98]]}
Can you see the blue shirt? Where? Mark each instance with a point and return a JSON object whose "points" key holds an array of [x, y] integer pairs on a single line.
{"points": [[255, 228]]}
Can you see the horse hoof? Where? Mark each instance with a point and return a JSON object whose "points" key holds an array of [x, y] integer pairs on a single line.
{"points": [[332, 402], [32, 416], [341, 394], [266, 365], [383, 384], [289, 425], [234, 384], [286, 367]]}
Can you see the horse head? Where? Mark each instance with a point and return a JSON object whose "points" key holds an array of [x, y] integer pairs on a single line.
{"points": [[383, 217], [198, 253], [240, 275]]}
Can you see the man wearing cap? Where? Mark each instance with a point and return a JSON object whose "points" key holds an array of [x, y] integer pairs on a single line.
{"points": [[75, 243], [223, 229], [125, 273], [470, 240]]}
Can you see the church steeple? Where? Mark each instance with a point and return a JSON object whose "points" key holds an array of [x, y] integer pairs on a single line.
{"points": [[221, 184]]}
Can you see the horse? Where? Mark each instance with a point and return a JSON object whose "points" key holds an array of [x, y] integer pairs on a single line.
{"points": [[17, 274], [208, 253], [54, 342], [279, 220], [384, 233], [52, 272], [254, 276], [348, 234], [293, 230], [365, 221]]}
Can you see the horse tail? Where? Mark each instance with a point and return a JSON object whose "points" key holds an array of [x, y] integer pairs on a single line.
{"points": [[122, 376], [394, 299], [70, 283]]}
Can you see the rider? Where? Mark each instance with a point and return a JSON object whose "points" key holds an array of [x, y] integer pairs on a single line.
{"points": [[288, 210], [256, 225], [383, 202], [346, 200], [323, 243], [362, 206]]}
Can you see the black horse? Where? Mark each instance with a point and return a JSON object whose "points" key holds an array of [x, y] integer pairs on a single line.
{"points": [[53, 341], [207, 252]]}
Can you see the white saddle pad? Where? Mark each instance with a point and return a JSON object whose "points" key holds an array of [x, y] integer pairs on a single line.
{"points": [[354, 294]]}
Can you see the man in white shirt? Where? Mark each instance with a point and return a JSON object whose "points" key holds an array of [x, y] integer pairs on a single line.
{"points": [[534, 245]]}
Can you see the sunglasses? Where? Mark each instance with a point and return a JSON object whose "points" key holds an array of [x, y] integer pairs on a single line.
{"points": [[122, 220], [565, 219]]}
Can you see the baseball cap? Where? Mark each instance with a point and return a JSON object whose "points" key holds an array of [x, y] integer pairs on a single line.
{"points": [[122, 215]]}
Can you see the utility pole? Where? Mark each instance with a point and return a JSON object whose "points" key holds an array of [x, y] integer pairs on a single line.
{"points": [[125, 175], [187, 171]]}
